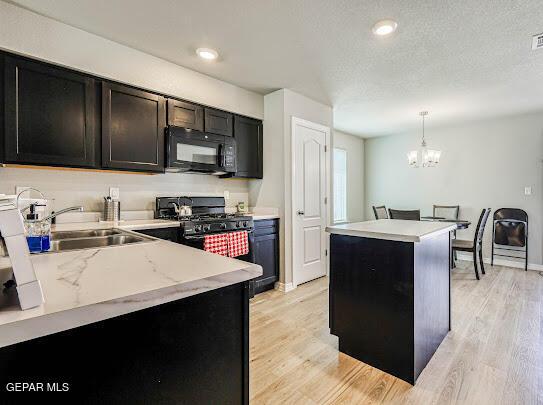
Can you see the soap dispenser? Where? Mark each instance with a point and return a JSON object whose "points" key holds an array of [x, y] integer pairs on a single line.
{"points": [[33, 228]]}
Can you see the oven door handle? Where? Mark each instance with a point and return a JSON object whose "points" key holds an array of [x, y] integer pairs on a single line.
{"points": [[194, 237], [222, 156], [189, 237]]}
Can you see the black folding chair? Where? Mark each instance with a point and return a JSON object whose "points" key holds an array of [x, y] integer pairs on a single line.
{"points": [[510, 234]]}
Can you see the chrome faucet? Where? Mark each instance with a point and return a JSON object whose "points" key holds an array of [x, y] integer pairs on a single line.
{"points": [[63, 211]]}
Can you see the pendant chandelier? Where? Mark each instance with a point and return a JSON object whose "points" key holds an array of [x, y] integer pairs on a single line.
{"points": [[423, 157]]}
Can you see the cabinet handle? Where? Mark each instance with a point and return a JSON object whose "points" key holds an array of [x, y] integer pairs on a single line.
{"points": [[300, 213]]}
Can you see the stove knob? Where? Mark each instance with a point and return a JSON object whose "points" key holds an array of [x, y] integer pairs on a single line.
{"points": [[223, 225], [245, 223], [207, 227], [198, 228], [238, 224]]}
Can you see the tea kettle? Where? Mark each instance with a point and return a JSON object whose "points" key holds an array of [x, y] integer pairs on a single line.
{"points": [[182, 210]]}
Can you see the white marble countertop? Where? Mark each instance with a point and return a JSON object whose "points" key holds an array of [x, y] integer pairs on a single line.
{"points": [[258, 217], [393, 229], [86, 286]]}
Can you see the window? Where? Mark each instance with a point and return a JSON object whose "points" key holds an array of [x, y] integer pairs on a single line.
{"points": [[340, 185]]}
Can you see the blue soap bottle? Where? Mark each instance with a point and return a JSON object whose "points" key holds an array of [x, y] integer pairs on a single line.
{"points": [[33, 231], [45, 236]]}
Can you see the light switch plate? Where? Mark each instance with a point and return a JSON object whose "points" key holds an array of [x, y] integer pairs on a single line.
{"points": [[114, 193], [528, 190]]}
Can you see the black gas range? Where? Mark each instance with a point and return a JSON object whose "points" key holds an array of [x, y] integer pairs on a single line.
{"points": [[208, 217]]}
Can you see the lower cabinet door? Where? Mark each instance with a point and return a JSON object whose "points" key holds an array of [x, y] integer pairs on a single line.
{"points": [[171, 234], [194, 350], [266, 254]]}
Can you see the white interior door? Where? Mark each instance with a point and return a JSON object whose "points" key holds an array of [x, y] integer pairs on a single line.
{"points": [[309, 193]]}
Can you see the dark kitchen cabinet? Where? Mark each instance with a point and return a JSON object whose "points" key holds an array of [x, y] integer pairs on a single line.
{"points": [[218, 122], [192, 350], [185, 115], [56, 116], [249, 138], [49, 115], [266, 253], [133, 123], [171, 234]]}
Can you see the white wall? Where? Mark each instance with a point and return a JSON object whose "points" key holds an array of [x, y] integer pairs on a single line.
{"points": [[275, 189], [483, 164], [354, 147], [269, 192], [138, 191], [30, 34]]}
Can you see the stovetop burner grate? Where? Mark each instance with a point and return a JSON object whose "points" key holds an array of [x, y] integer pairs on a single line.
{"points": [[207, 217], [204, 209]]}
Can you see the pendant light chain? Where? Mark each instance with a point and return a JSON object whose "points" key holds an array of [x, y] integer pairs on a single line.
{"points": [[423, 115]]}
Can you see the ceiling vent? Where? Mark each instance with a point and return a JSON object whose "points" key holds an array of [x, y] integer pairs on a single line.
{"points": [[537, 42]]}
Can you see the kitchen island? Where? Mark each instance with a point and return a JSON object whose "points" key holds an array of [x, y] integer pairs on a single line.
{"points": [[390, 292], [153, 322]]}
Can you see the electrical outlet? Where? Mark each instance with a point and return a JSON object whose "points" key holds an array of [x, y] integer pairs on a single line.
{"points": [[114, 193], [528, 190]]}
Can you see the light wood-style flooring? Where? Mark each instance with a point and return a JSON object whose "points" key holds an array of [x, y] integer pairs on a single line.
{"points": [[493, 355]]}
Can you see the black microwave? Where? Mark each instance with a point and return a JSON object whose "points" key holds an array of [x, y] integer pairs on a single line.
{"points": [[192, 151]]}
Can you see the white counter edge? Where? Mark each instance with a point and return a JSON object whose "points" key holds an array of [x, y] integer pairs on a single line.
{"points": [[27, 329], [389, 236], [261, 217]]}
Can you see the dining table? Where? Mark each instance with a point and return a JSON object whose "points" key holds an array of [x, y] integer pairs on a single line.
{"points": [[460, 224]]}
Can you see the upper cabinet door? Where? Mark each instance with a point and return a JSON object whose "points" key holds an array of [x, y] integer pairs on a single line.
{"points": [[49, 115], [185, 115], [248, 135], [218, 122], [133, 123]]}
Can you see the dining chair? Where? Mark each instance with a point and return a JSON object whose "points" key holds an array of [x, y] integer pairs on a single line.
{"points": [[380, 212], [474, 246], [446, 211], [413, 215]]}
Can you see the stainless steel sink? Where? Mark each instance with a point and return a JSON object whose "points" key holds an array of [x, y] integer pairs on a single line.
{"points": [[77, 240], [84, 234]]}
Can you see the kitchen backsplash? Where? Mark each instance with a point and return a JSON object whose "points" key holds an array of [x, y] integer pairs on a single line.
{"points": [[137, 191]]}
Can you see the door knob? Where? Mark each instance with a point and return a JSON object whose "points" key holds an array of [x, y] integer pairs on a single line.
{"points": [[300, 213]]}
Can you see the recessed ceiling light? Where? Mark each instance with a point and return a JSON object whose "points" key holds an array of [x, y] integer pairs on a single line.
{"points": [[207, 53], [384, 27]]}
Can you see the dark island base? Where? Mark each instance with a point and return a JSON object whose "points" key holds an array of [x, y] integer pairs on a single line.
{"points": [[390, 301], [191, 351]]}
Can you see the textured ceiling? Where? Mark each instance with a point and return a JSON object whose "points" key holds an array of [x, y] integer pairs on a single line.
{"points": [[461, 60]]}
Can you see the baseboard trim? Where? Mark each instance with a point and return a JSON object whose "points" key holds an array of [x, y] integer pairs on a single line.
{"points": [[284, 287], [503, 262]]}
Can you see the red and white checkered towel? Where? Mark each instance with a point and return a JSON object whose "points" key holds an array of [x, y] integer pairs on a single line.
{"points": [[238, 243], [216, 244]]}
